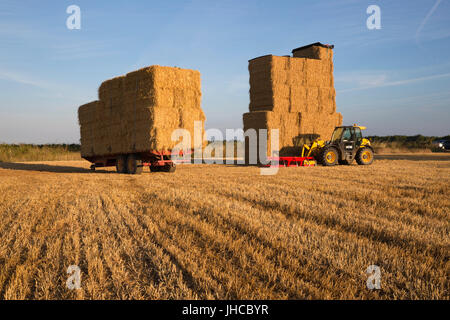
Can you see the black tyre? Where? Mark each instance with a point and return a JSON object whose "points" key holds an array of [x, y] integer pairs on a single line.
{"points": [[329, 156], [169, 168], [155, 168], [93, 167], [134, 164], [364, 156], [121, 164]]}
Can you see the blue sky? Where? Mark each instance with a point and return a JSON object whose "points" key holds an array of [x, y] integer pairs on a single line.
{"points": [[395, 80]]}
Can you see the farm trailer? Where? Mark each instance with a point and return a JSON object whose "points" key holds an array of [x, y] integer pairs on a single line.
{"points": [[133, 163], [132, 123]]}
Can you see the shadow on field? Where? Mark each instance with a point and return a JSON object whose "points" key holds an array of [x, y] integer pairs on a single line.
{"points": [[46, 168], [414, 157]]}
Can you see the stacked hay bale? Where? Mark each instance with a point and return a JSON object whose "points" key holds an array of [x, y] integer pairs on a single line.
{"points": [[139, 111], [87, 120], [295, 95]]}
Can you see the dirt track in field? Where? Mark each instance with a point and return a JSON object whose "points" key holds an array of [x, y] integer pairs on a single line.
{"points": [[225, 232]]}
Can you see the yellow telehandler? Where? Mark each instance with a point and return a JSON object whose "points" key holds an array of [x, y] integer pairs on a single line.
{"points": [[346, 144]]}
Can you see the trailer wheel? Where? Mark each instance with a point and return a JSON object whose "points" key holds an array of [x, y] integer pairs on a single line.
{"points": [[155, 168], [121, 164], [134, 165], [169, 168]]}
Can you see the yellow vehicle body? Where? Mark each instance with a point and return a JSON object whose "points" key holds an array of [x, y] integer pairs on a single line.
{"points": [[341, 148]]}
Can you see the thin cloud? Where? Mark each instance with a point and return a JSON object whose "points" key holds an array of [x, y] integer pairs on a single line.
{"points": [[424, 21], [362, 79], [23, 79], [48, 89], [398, 83]]}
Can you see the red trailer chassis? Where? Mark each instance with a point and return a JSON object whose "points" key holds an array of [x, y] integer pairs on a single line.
{"points": [[292, 161], [154, 160]]}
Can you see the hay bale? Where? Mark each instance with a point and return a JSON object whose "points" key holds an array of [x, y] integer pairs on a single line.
{"points": [[86, 112], [293, 94], [270, 84], [298, 99], [275, 82], [110, 92], [139, 111], [327, 100], [321, 124], [314, 52], [312, 100], [297, 72], [87, 121], [287, 124]]}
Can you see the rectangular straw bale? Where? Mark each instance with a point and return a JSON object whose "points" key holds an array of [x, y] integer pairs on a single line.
{"points": [[327, 100], [297, 72], [257, 121], [280, 71], [87, 120], [270, 86], [307, 121], [260, 108], [322, 124], [86, 112], [325, 72], [110, 91], [338, 119], [86, 131], [327, 67], [260, 87], [161, 85], [314, 52], [287, 124], [298, 99], [313, 72], [289, 127], [310, 53], [138, 112], [259, 63], [261, 99], [312, 100], [87, 149], [294, 94], [101, 116]]}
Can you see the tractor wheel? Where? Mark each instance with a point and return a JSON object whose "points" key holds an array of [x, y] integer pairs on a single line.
{"points": [[329, 156], [364, 156], [121, 164], [345, 162], [134, 165]]}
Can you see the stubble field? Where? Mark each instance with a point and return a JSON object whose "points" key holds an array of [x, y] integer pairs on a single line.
{"points": [[225, 232]]}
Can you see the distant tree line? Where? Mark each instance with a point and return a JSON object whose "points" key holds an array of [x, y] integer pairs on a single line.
{"points": [[408, 142], [42, 152], [39, 152]]}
